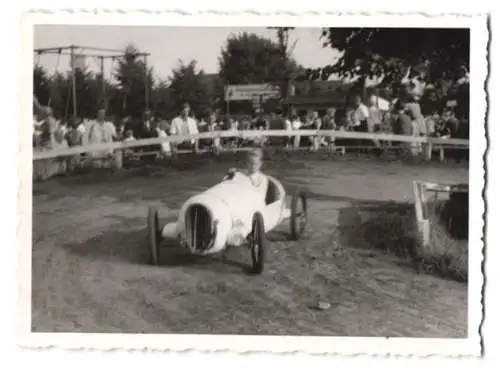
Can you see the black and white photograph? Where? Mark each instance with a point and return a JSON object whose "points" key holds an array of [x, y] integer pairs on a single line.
{"points": [[284, 182]]}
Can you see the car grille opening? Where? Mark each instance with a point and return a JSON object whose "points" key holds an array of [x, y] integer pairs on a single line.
{"points": [[199, 231]]}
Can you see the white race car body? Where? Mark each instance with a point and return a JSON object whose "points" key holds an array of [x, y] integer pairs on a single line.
{"points": [[222, 215]]}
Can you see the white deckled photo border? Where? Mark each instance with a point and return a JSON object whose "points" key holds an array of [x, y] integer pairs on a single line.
{"points": [[470, 346]]}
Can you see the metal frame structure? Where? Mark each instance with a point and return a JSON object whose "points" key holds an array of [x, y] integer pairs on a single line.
{"points": [[74, 50]]}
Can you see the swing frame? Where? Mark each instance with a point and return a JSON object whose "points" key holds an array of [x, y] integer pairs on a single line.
{"points": [[74, 50]]}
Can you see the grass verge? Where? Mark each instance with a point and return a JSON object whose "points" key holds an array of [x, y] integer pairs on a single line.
{"points": [[392, 227]]}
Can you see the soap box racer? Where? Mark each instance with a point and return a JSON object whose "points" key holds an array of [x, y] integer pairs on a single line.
{"points": [[229, 214]]}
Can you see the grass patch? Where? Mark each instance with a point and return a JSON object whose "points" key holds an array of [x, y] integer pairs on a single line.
{"points": [[392, 227]]}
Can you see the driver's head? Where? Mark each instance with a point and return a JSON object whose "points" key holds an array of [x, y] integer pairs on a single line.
{"points": [[254, 160]]}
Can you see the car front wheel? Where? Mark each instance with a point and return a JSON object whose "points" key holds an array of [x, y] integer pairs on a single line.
{"points": [[154, 235], [257, 244]]}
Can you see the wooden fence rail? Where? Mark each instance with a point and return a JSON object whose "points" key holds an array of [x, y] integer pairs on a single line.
{"points": [[430, 142]]}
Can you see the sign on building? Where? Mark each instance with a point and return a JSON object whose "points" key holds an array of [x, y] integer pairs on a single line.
{"points": [[251, 92]]}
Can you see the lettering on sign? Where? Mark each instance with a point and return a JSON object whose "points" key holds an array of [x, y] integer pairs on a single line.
{"points": [[251, 92]]}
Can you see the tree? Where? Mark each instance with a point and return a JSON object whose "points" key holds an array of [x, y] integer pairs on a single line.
{"points": [[432, 55], [161, 100], [87, 94], [187, 84], [105, 92], [288, 64], [251, 59], [60, 93], [41, 85], [132, 78]]}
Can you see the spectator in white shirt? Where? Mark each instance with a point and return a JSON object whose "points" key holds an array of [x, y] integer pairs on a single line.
{"points": [[48, 128], [213, 126], [112, 129], [359, 119], [288, 127], [184, 125], [100, 132], [314, 123], [80, 127], [128, 137], [360, 115], [165, 146], [374, 118], [329, 124], [296, 125]]}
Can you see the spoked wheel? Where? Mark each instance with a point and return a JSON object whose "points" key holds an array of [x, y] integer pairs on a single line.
{"points": [[154, 235], [298, 219], [257, 244]]}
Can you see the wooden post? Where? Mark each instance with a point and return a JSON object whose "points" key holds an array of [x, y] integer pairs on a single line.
{"points": [[118, 155], [146, 83], [103, 84], [73, 77], [428, 154], [418, 206], [316, 140], [422, 222]]}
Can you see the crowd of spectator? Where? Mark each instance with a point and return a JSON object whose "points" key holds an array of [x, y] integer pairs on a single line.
{"points": [[403, 115]]}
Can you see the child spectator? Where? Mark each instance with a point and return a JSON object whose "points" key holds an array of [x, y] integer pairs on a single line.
{"points": [[74, 136], [374, 118], [450, 121], [129, 136]]}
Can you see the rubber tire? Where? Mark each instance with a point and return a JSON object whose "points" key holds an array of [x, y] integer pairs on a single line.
{"points": [[295, 230], [258, 251], [153, 235]]}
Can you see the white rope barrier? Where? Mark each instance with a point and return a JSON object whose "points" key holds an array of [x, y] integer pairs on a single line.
{"points": [[456, 143]]}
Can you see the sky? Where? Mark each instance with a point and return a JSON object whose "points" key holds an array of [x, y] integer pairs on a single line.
{"points": [[168, 45]]}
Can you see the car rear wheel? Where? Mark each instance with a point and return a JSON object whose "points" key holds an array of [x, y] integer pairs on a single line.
{"points": [[298, 217], [154, 235], [257, 243]]}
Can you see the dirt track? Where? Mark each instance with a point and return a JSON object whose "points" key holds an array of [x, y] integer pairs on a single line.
{"points": [[90, 272]]}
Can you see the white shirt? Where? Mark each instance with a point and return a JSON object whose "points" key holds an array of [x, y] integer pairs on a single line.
{"points": [[183, 126], [235, 125], [296, 125], [80, 128], [165, 146], [98, 133], [360, 113], [259, 181], [111, 128]]}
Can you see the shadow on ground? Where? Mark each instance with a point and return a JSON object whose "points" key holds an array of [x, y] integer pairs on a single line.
{"points": [[114, 245], [379, 225], [131, 247]]}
